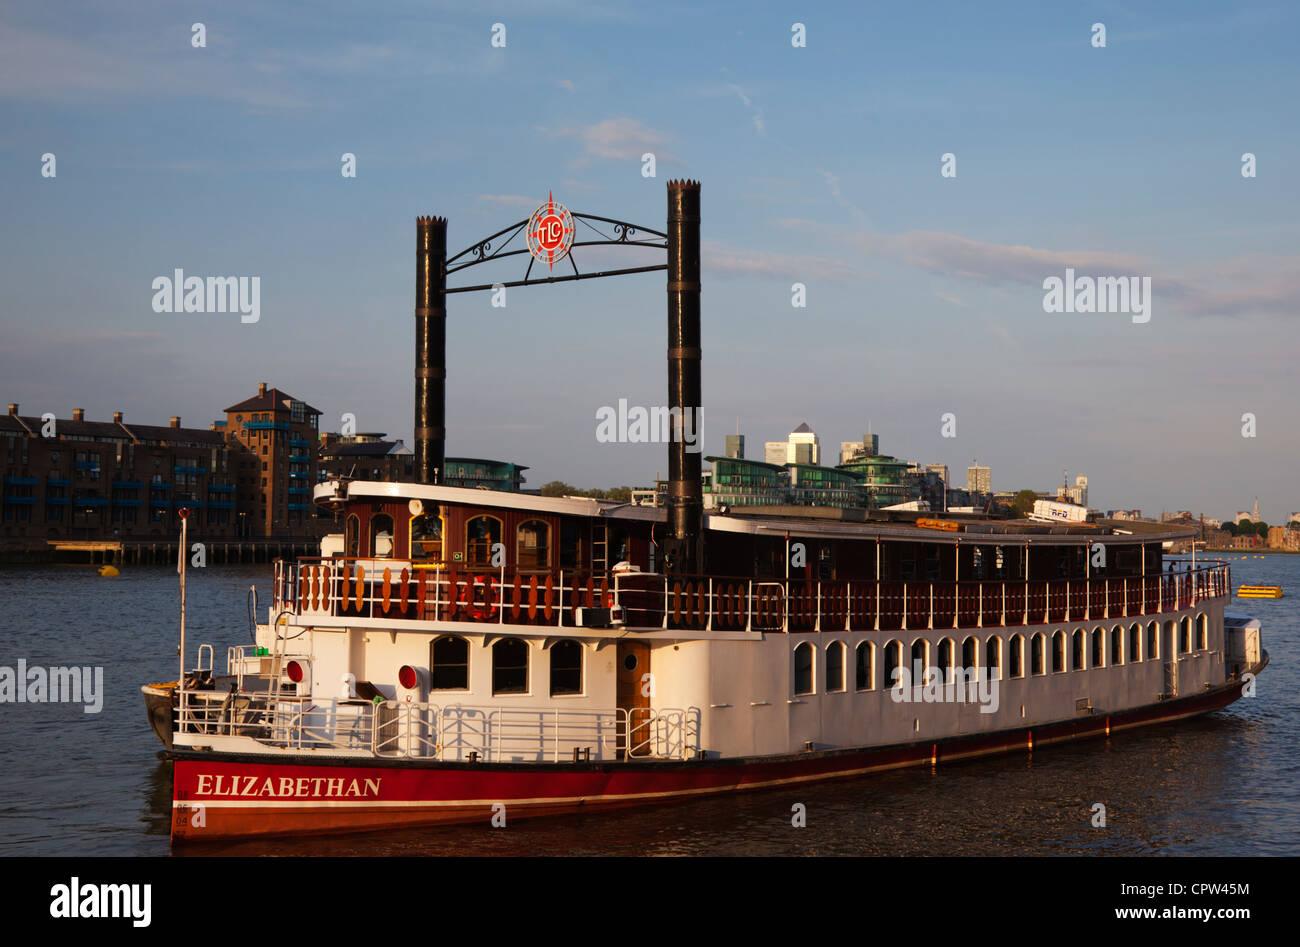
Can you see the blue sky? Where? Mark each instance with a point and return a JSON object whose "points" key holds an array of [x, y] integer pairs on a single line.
{"points": [[819, 165]]}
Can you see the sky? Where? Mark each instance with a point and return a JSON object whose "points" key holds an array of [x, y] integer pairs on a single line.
{"points": [[821, 164]]}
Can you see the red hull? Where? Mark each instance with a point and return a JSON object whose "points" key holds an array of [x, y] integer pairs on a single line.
{"points": [[224, 796]]}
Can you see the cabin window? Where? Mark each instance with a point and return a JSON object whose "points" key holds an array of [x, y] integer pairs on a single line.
{"points": [[1078, 648], [993, 658], [1016, 662], [1116, 646], [449, 664], [970, 654], [945, 659], [1202, 633], [570, 544], [1135, 643], [351, 533], [803, 669], [533, 549], [893, 658], [1153, 641], [510, 666], [977, 562], [481, 534], [1098, 647], [835, 667], [920, 659], [620, 546], [1185, 635], [1036, 646], [825, 563], [864, 677], [907, 566], [381, 536], [426, 537], [932, 562], [566, 668], [1058, 652]]}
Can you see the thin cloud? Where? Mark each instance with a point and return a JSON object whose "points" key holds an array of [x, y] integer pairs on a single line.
{"points": [[756, 115], [616, 139]]}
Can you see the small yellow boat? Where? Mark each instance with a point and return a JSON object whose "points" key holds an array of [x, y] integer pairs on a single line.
{"points": [[1259, 591], [108, 571]]}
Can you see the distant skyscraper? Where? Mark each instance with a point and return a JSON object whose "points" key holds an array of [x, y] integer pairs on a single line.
{"points": [[979, 479], [736, 446], [803, 447]]}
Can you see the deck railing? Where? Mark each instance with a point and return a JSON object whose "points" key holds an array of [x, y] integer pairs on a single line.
{"points": [[406, 729], [401, 590]]}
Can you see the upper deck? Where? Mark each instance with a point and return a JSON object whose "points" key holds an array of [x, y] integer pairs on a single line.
{"points": [[415, 554]]}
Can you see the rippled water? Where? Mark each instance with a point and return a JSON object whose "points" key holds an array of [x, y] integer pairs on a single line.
{"points": [[73, 783]]}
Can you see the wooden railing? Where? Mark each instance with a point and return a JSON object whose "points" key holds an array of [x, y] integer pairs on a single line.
{"points": [[398, 590]]}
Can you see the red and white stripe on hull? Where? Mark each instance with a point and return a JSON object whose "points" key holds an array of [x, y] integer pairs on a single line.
{"points": [[218, 796]]}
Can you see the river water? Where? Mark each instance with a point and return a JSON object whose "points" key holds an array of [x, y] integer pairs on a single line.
{"points": [[74, 783]]}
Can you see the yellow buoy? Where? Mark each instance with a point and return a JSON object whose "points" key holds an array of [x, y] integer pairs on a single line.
{"points": [[108, 571]]}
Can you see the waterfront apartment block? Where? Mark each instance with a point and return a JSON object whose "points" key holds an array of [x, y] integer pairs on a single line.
{"points": [[71, 479], [275, 439]]}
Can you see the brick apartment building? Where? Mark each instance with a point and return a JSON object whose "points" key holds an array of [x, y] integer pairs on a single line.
{"points": [[274, 437], [79, 479]]}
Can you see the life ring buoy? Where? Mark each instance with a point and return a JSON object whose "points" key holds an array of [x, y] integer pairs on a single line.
{"points": [[487, 608]]}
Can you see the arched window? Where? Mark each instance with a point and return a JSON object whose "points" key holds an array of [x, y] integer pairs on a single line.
{"points": [[533, 545], [1134, 643], [1099, 647], [920, 660], [1078, 648], [970, 650], [351, 534], [803, 669], [1037, 645], [1058, 652], [835, 666], [993, 657], [1153, 641], [1116, 646], [1185, 635], [1202, 633], [1016, 662], [381, 536], [426, 537], [945, 659], [865, 661], [449, 664], [893, 663], [566, 668], [510, 666], [481, 534]]}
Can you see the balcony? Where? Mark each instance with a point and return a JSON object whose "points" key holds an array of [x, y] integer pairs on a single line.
{"points": [[190, 470], [127, 485], [21, 481], [266, 426]]}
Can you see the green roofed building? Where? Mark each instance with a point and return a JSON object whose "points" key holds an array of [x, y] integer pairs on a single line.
{"points": [[814, 485], [882, 478], [738, 482]]}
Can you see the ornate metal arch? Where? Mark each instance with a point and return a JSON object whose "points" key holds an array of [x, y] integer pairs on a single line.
{"points": [[624, 235]]}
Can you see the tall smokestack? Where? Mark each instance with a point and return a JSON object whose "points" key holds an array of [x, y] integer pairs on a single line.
{"points": [[685, 494], [430, 348]]}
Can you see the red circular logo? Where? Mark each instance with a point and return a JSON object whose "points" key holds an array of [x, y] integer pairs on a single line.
{"points": [[550, 232]]}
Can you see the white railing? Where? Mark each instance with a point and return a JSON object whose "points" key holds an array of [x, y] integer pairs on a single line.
{"points": [[399, 590], [410, 730]]}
